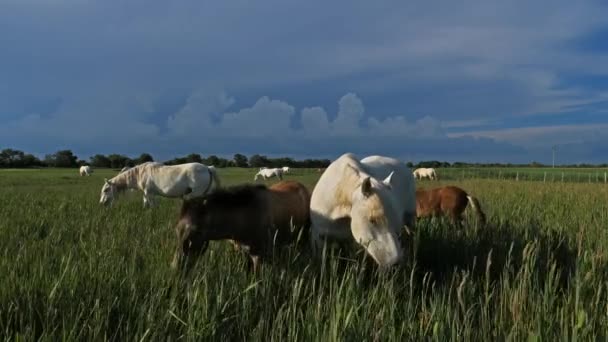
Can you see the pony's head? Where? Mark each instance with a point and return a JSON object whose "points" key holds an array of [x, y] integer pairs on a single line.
{"points": [[109, 191], [375, 221]]}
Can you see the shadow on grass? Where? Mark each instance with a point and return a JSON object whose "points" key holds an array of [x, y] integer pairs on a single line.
{"points": [[442, 249]]}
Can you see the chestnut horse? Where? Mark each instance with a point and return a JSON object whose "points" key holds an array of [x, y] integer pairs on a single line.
{"points": [[450, 201], [254, 217]]}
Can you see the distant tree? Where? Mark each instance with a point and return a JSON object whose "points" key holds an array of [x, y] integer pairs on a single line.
{"points": [[11, 158], [240, 160], [99, 160], [143, 158], [257, 160], [63, 158], [30, 160], [212, 160], [194, 158], [536, 164], [409, 164], [118, 161]]}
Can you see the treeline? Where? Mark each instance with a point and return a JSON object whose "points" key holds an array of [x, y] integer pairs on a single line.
{"points": [[255, 160], [11, 158]]}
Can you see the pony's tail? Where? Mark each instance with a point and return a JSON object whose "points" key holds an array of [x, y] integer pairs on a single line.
{"points": [[477, 208], [215, 176]]}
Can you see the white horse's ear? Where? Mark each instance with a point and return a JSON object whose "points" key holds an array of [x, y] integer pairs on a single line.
{"points": [[366, 186], [388, 179], [106, 181]]}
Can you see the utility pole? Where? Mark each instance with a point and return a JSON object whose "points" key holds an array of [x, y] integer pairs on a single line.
{"points": [[554, 148]]}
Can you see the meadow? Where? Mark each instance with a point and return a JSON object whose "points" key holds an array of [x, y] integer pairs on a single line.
{"points": [[73, 270]]}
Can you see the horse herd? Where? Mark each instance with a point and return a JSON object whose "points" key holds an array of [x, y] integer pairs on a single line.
{"points": [[372, 202]]}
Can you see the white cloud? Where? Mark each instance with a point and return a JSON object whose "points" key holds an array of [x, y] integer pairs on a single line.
{"points": [[197, 114], [350, 114], [543, 135], [315, 121]]}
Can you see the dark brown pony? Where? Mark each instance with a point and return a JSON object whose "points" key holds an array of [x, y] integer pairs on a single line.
{"points": [[450, 201], [252, 216]]}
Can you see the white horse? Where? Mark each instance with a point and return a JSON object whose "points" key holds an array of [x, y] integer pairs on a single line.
{"points": [[424, 172], [269, 173], [124, 169], [285, 169], [85, 170], [368, 201], [185, 180]]}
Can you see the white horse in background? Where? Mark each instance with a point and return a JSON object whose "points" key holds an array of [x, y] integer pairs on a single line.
{"points": [[269, 173], [369, 201], [424, 172], [285, 169], [185, 180], [85, 170]]}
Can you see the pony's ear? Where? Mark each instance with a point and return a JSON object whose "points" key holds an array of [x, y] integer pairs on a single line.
{"points": [[106, 181], [388, 179], [366, 186]]}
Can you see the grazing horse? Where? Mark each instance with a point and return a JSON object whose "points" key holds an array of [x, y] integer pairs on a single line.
{"points": [[185, 180], [450, 201], [269, 173], [85, 170], [423, 172], [368, 201], [285, 169], [252, 216]]}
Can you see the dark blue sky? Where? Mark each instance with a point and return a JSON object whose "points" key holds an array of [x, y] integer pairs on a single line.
{"points": [[468, 80]]}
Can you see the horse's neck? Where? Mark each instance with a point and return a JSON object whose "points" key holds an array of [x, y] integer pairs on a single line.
{"points": [[127, 179]]}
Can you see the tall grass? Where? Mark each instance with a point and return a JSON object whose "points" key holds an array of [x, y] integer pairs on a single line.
{"points": [[72, 270]]}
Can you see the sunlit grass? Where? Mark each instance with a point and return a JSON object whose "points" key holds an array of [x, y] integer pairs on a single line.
{"points": [[72, 270]]}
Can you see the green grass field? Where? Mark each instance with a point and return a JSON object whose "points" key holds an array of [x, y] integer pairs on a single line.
{"points": [[72, 270], [541, 174]]}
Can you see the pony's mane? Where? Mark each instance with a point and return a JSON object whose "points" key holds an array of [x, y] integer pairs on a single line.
{"points": [[132, 174]]}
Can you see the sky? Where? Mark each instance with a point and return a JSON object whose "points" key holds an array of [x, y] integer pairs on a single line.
{"points": [[478, 81]]}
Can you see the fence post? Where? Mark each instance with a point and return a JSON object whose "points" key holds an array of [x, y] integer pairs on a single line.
{"points": [[545, 177], [499, 174], [604, 177], [562, 177], [517, 176]]}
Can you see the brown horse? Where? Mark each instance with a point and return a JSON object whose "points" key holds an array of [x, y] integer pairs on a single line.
{"points": [[450, 201], [252, 216]]}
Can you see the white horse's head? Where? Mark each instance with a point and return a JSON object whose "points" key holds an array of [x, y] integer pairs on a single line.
{"points": [[108, 192], [375, 222]]}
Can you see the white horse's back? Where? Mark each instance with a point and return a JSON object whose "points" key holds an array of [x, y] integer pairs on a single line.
{"points": [[185, 180], [404, 183]]}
